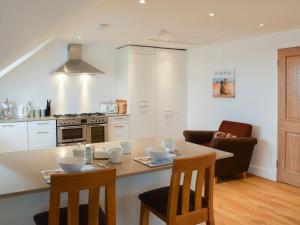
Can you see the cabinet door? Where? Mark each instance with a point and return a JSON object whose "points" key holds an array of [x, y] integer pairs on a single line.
{"points": [[43, 138], [118, 131], [171, 89], [142, 95], [13, 137]]}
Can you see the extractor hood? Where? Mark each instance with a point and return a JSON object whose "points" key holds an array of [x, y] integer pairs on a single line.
{"points": [[75, 65]]}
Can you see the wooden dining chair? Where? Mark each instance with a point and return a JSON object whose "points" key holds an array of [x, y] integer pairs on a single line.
{"points": [[85, 214], [179, 204]]}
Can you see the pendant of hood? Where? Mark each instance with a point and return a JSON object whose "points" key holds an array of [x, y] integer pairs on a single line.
{"points": [[75, 65]]}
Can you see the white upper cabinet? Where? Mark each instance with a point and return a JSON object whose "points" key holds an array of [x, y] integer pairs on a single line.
{"points": [[171, 91], [153, 81], [13, 137]]}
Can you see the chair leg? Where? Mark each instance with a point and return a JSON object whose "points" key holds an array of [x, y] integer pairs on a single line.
{"points": [[144, 215], [215, 180]]}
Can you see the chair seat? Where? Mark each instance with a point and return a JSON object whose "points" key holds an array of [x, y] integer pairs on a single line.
{"points": [[42, 218], [158, 200]]}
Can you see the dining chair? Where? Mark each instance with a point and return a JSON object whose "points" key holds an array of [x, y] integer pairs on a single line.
{"points": [[81, 214], [178, 204]]}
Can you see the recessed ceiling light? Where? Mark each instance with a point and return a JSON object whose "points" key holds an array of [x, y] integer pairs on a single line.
{"points": [[261, 25], [142, 1], [211, 14], [79, 37]]}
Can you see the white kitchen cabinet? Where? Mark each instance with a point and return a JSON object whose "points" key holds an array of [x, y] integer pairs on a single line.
{"points": [[118, 128], [171, 91], [137, 84], [153, 80], [42, 134], [13, 137]]}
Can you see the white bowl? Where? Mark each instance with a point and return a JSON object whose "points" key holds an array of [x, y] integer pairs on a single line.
{"points": [[157, 152], [72, 164]]}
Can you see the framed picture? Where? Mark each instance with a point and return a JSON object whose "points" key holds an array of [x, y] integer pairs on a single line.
{"points": [[224, 83]]}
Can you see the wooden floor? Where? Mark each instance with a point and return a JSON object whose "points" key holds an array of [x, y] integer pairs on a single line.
{"points": [[256, 201]]}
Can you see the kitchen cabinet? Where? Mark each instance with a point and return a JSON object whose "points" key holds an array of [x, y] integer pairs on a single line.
{"points": [[153, 80], [137, 84], [13, 137], [42, 134], [171, 92], [118, 128]]}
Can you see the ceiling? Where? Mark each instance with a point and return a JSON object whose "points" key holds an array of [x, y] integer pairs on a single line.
{"points": [[26, 24]]}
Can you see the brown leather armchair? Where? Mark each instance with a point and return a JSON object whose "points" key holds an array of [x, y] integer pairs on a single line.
{"points": [[241, 146]]}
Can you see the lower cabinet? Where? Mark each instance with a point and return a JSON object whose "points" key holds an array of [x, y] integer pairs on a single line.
{"points": [[118, 128], [13, 137], [42, 134]]}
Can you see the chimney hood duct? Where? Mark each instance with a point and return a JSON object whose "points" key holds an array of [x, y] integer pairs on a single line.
{"points": [[75, 65]]}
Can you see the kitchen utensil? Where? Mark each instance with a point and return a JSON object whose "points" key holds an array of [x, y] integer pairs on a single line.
{"points": [[72, 164], [116, 154], [37, 113], [157, 152], [79, 150], [169, 143], [126, 146], [23, 111]]}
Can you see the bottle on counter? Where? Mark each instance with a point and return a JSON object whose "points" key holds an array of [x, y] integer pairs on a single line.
{"points": [[89, 155]]}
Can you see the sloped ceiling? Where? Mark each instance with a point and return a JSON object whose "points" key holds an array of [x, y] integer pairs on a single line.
{"points": [[26, 24]]}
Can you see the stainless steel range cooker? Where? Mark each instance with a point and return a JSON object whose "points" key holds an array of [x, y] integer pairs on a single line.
{"points": [[81, 128]]}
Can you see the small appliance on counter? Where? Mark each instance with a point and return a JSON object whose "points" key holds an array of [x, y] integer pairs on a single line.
{"points": [[48, 108], [7, 108], [109, 107], [122, 106], [23, 111]]}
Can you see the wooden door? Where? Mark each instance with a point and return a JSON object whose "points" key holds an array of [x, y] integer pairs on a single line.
{"points": [[289, 116]]}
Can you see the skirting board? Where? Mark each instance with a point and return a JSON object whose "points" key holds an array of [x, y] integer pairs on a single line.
{"points": [[263, 172]]}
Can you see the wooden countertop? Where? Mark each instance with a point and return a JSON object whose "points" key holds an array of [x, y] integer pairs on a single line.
{"points": [[20, 171]]}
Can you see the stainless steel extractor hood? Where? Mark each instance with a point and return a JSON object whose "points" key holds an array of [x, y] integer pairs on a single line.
{"points": [[75, 65]]}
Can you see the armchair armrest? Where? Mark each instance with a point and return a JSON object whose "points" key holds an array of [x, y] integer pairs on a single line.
{"points": [[198, 137], [234, 144]]}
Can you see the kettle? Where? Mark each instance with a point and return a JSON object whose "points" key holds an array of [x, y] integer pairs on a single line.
{"points": [[23, 111]]}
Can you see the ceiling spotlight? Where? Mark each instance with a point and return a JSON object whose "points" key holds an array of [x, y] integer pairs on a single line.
{"points": [[79, 37], [261, 25], [211, 14], [142, 1]]}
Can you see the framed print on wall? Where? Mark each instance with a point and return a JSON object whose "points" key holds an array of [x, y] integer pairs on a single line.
{"points": [[224, 83]]}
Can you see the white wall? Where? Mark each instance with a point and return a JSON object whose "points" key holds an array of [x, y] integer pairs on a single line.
{"points": [[255, 61], [33, 80]]}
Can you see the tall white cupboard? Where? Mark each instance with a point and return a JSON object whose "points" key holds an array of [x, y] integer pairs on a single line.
{"points": [[153, 80]]}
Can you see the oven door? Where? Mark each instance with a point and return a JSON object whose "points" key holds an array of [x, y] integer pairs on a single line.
{"points": [[71, 134], [96, 133]]}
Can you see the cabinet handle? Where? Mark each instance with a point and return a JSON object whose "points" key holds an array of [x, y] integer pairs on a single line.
{"points": [[42, 123], [8, 125], [42, 132], [118, 126]]}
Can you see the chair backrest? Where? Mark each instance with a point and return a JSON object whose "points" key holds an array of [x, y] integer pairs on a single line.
{"points": [[236, 128], [73, 184], [204, 167]]}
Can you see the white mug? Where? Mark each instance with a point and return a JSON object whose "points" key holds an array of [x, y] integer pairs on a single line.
{"points": [[169, 144], [116, 154], [126, 146]]}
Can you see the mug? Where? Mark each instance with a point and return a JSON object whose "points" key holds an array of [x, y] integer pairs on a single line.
{"points": [[126, 146], [115, 154], [169, 144]]}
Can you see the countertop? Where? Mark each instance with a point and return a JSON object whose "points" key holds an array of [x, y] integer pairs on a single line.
{"points": [[29, 119], [20, 171], [26, 119]]}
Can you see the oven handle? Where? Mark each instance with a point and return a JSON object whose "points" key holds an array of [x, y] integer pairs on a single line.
{"points": [[72, 127], [98, 125]]}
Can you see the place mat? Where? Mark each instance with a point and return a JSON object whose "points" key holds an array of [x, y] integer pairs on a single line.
{"points": [[46, 174], [148, 161]]}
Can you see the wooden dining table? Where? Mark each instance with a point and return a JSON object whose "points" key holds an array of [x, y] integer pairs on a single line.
{"points": [[23, 188]]}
